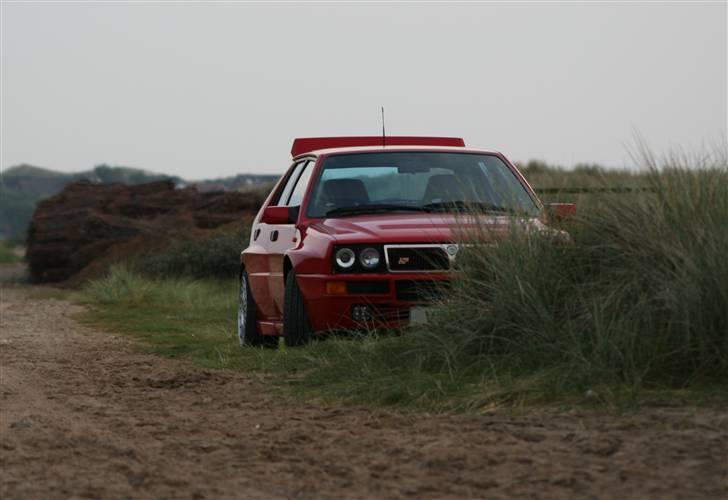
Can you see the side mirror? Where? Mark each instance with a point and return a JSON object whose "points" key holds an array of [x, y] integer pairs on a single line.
{"points": [[279, 215], [561, 212]]}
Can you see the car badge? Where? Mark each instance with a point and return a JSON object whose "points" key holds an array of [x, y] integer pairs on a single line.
{"points": [[452, 250], [403, 260]]}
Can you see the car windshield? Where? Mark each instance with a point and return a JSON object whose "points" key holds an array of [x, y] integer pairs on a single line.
{"points": [[350, 184]]}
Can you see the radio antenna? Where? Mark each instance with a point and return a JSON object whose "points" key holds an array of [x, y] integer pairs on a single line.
{"points": [[384, 134]]}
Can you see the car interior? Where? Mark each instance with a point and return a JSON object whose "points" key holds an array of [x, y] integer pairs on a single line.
{"points": [[352, 192], [345, 192]]}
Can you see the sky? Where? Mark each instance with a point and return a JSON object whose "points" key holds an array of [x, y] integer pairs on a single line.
{"points": [[209, 90]]}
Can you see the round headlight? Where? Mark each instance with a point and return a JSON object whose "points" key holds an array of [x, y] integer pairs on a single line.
{"points": [[345, 258], [369, 258]]}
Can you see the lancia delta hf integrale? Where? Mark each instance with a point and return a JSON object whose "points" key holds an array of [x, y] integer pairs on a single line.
{"points": [[360, 228]]}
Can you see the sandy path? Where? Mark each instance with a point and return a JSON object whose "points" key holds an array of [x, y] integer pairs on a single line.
{"points": [[85, 414]]}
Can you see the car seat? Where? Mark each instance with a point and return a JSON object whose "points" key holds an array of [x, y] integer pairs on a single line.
{"points": [[444, 187], [345, 192]]}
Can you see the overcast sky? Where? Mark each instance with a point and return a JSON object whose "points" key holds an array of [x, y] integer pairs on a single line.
{"points": [[205, 90]]}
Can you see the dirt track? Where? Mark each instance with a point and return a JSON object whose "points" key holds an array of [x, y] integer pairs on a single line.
{"points": [[85, 414]]}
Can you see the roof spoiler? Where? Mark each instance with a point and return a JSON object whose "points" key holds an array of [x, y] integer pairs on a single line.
{"points": [[305, 144]]}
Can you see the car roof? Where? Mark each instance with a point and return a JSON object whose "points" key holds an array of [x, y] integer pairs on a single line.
{"points": [[386, 149]]}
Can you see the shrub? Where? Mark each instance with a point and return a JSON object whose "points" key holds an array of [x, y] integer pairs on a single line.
{"points": [[215, 257]]}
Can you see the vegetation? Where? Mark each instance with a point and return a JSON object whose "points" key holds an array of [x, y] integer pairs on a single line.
{"points": [[633, 303], [214, 257], [7, 254], [637, 299], [179, 317], [544, 176]]}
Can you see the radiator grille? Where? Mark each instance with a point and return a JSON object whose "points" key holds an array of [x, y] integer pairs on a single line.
{"points": [[404, 259]]}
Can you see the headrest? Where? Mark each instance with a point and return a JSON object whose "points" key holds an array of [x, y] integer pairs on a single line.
{"points": [[345, 192]]}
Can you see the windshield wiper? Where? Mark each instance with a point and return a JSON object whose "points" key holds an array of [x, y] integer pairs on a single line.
{"points": [[374, 208], [465, 206]]}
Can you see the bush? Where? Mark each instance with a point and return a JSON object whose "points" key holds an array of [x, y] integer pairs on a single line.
{"points": [[215, 257]]}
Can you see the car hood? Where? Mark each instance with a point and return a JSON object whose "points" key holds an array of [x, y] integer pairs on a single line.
{"points": [[423, 227]]}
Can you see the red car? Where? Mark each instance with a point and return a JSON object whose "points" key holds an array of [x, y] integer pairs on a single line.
{"points": [[360, 228]]}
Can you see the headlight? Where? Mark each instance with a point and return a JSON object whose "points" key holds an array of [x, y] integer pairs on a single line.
{"points": [[369, 258], [345, 258]]}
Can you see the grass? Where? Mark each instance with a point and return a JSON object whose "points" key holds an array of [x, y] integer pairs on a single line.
{"points": [[632, 307], [195, 319], [177, 317]]}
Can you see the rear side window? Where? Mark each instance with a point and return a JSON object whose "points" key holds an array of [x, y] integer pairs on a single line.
{"points": [[300, 190], [288, 187]]}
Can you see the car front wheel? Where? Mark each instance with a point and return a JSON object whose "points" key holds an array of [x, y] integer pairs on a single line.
{"points": [[296, 328], [247, 318]]}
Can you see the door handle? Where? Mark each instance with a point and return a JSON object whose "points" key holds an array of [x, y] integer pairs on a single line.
{"points": [[274, 235]]}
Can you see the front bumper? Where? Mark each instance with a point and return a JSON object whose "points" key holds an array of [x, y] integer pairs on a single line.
{"points": [[388, 297]]}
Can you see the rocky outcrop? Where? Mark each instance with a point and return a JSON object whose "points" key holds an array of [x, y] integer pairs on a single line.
{"points": [[86, 222]]}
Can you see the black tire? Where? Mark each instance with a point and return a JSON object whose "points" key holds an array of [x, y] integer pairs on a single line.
{"points": [[296, 328], [247, 316]]}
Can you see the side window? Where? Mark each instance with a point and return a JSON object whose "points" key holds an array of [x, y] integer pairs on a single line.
{"points": [[300, 190], [290, 182], [503, 187]]}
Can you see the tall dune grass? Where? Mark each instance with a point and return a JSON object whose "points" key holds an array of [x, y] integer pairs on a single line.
{"points": [[638, 296]]}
